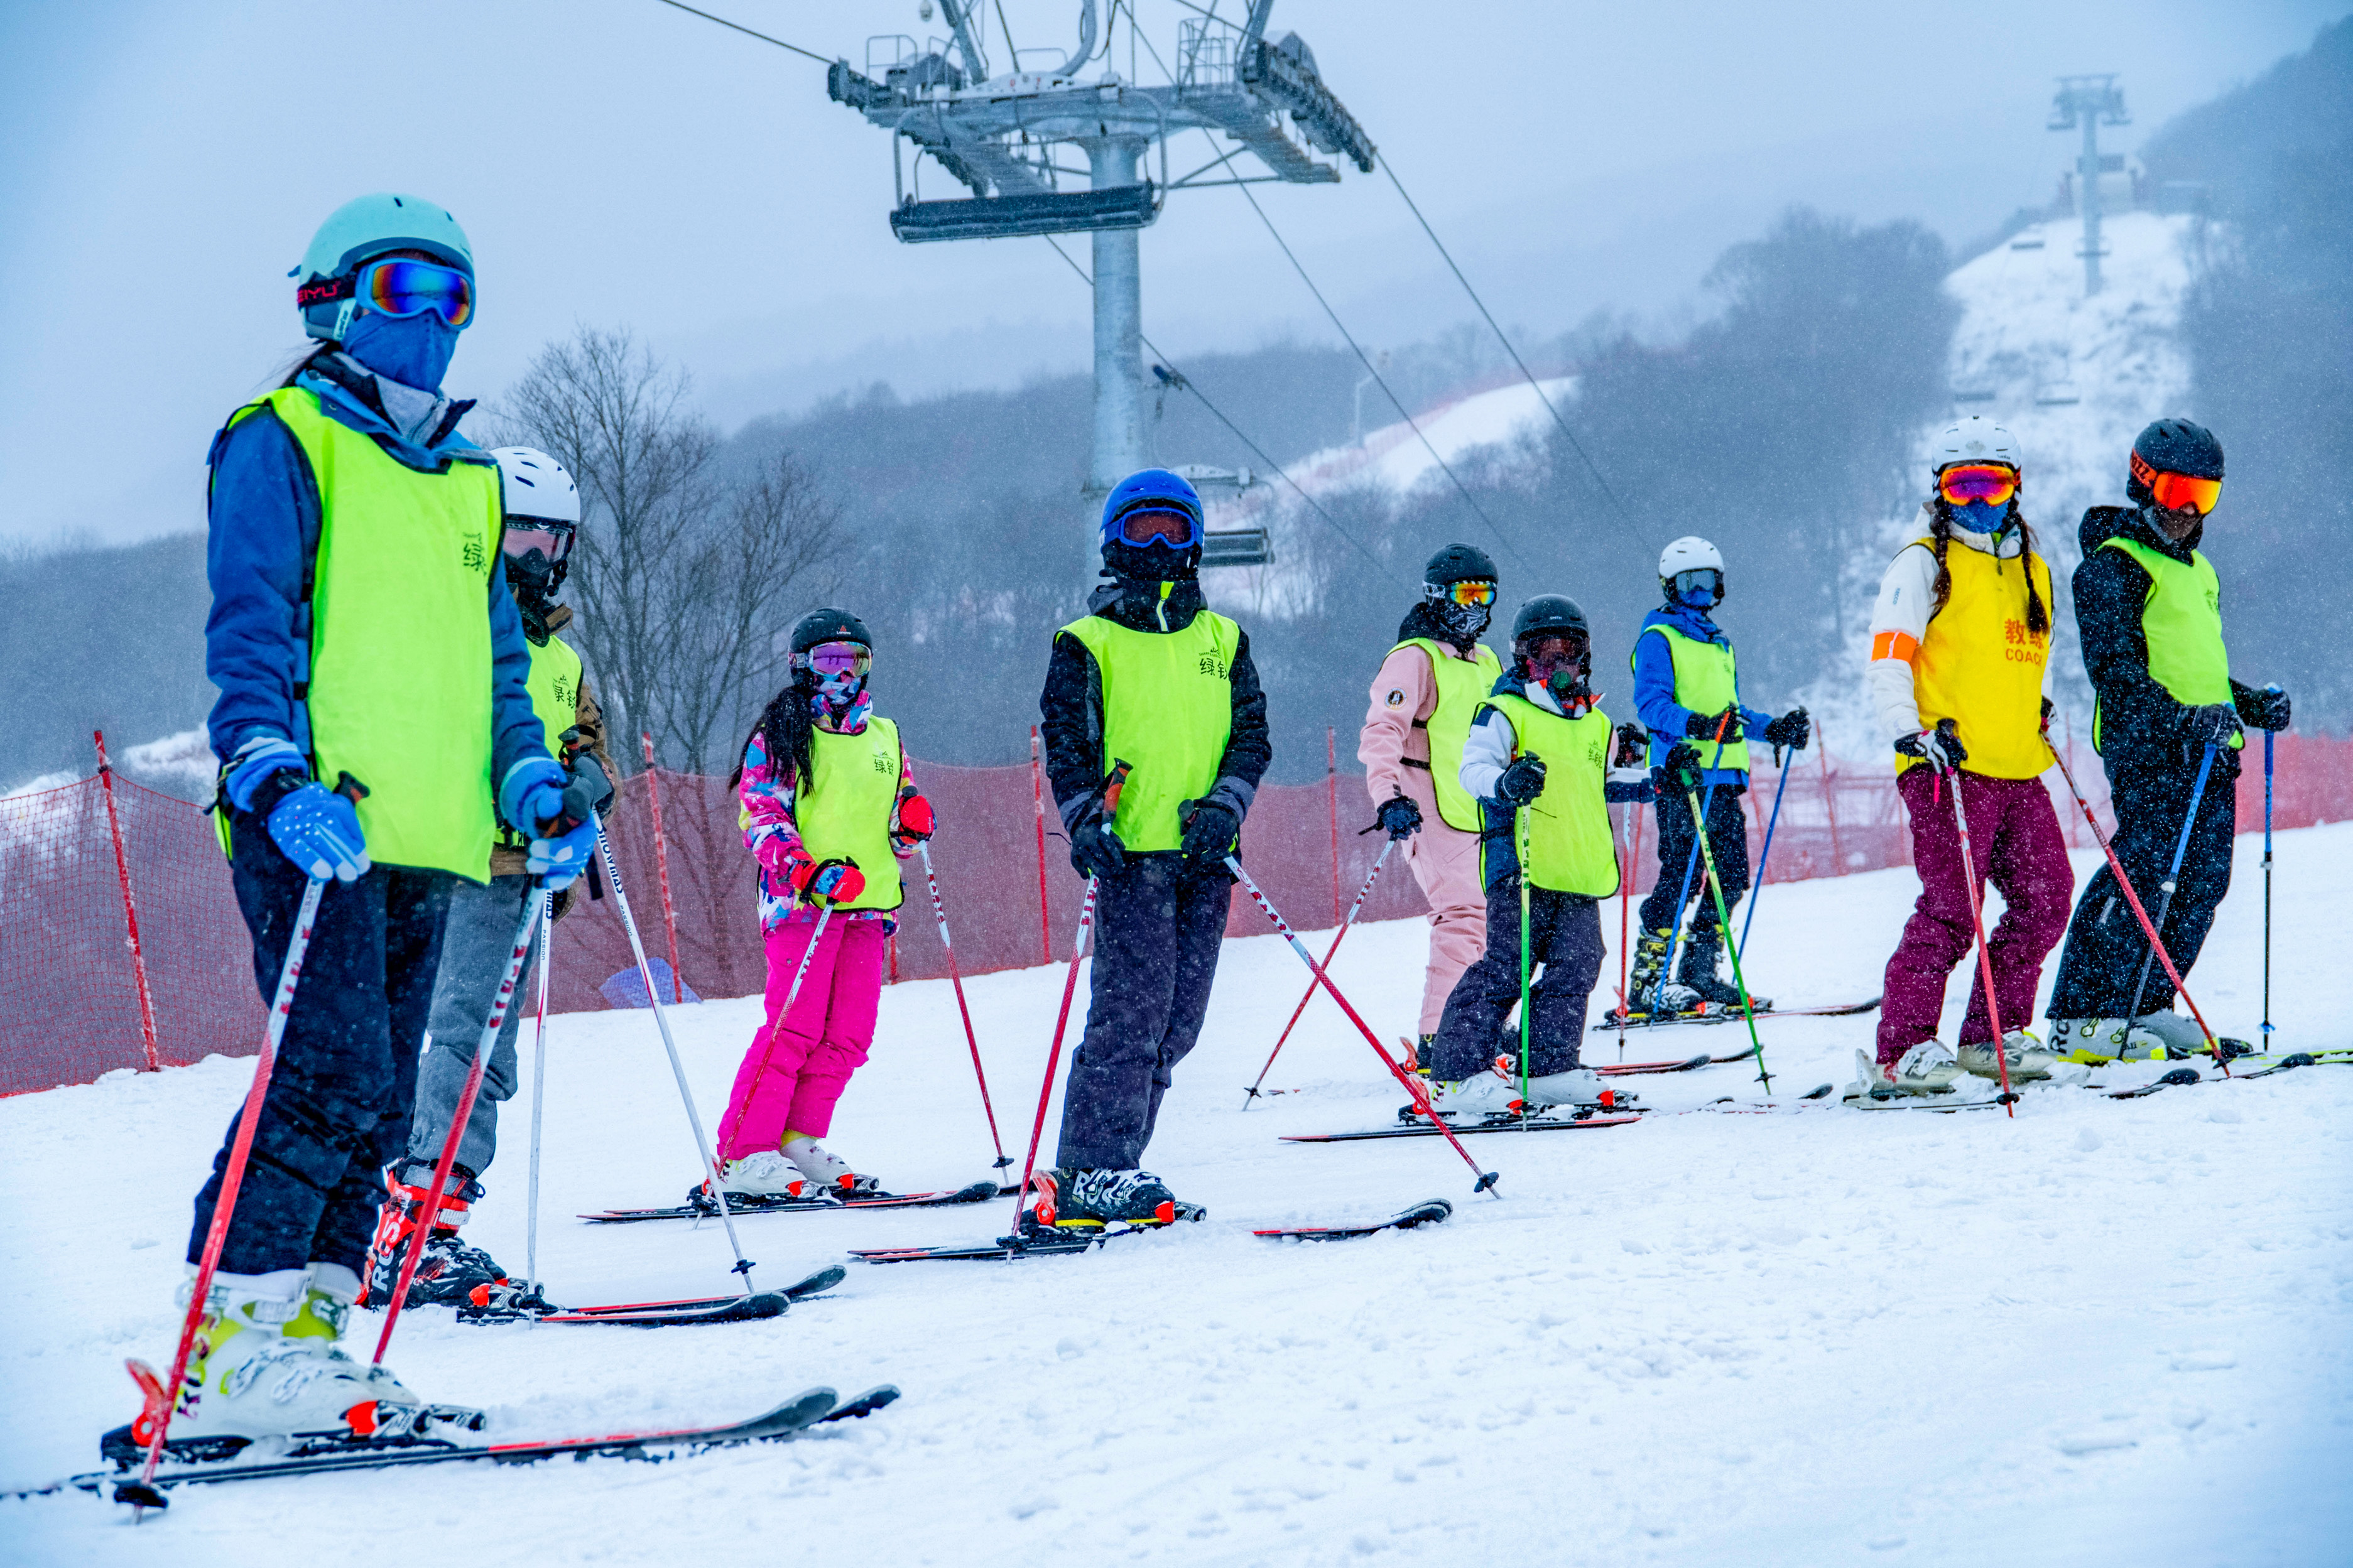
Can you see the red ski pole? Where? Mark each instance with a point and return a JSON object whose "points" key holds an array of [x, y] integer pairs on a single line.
{"points": [[1976, 919], [532, 905], [1362, 893], [955, 978], [1110, 790], [1486, 1178]]}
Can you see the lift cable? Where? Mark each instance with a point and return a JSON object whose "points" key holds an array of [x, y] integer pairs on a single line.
{"points": [[822, 59]]}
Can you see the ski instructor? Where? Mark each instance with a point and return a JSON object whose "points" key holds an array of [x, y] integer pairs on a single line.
{"points": [[1423, 701], [366, 646], [1154, 677]]}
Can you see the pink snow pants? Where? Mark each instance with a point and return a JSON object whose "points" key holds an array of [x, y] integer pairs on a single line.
{"points": [[798, 1067], [2015, 834], [1445, 862]]}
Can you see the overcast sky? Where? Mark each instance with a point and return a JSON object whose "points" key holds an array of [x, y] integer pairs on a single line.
{"points": [[618, 162]]}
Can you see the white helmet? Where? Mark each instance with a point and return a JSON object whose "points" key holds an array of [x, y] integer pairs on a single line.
{"points": [[1976, 439], [1689, 553], [535, 485]]}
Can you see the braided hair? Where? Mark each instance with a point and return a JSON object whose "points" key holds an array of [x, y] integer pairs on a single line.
{"points": [[1940, 527]]}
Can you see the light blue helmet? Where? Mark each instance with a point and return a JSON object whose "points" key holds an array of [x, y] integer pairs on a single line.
{"points": [[363, 229]]}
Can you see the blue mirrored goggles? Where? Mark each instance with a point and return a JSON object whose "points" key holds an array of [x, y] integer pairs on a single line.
{"points": [[398, 286], [1706, 577]]}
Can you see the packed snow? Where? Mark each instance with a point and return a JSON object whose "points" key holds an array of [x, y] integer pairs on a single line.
{"points": [[2102, 1333]]}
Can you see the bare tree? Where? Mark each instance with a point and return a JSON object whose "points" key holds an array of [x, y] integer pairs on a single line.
{"points": [[682, 578]]}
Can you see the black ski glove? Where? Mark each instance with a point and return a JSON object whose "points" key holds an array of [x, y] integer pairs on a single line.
{"points": [[2214, 724], [2265, 710], [1096, 849], [1633, 741], [1941, 748], [1209, 830], [1682, 766], [2042, 726], [1792, 729], [1702, 726], [1399, 817], [1522, 781]]}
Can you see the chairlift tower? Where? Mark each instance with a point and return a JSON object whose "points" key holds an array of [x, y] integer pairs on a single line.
{"points": [[2089, 101], [998, 132]]}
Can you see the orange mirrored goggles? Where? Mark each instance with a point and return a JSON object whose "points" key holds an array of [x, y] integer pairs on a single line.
{"points": [[1473, 592], [1992, 483], [2184, 492]]}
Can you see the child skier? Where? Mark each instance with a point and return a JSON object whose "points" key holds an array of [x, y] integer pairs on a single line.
{"points": [[542, 515], [1154, 677], [829, 809], [1536, 761], [2149, 607], [1688, 686], [1960, 676], [1423, 701], [373, 713]]}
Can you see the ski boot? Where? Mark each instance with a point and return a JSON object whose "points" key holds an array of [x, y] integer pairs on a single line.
{"points": [[450, 1273], [1645, 993], [2152, 1037], [1927, 1069], [2021, 1054], [1090, 1199], [826, 1171], [266, 1364], [1417, 1057], [1696, 969]]}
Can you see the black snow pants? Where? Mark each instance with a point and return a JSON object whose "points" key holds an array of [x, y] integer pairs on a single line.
{"points": [[337, 1111], [1158, 925], [1727, 840], [1564, 957], [2106, 946]]}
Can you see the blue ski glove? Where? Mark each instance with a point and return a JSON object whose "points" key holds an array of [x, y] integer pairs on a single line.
{"points": [[532, 793], [319, 831], [257, 761], [559, 860]]}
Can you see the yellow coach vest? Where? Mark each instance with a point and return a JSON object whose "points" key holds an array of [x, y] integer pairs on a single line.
{"points": [[1462, 686], [1979, 665]]}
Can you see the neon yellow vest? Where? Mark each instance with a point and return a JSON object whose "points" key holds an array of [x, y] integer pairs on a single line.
{"points": [[554, 687], [1569, 848], [1705, 682], [1462, 685], [399, 692], [1168, 708], [843, 807], [1979, 665], [2182, 621]]}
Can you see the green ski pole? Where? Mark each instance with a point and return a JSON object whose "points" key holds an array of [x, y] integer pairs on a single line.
{"points": [[1521, 823], [1724, 922]]}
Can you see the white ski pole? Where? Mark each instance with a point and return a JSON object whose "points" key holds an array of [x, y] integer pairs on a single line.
{"points": [[538, 1095]]}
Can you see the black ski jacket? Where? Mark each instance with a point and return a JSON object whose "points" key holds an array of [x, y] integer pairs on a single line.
{"points": [[1070, 706]]}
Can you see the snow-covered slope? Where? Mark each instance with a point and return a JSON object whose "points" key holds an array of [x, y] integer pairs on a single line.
{"points": [[2103, 1332]]}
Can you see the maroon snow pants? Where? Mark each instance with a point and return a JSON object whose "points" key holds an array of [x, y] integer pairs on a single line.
{"points": [[2015, 834]]}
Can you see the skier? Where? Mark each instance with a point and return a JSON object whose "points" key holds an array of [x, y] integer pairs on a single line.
{"points": [[542, 517], [1540, 745], [373, 725], [1423, 701], [2148, 609], [829, 809], [1154, 677], [1960, 677], [1688, 686]]}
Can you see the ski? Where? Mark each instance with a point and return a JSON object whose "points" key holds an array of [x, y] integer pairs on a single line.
{"points": [[657, 1314], [1031, 1242], [700, 1206], [322, 1455], [1491, 1124], [2264, 1067], [1435, 1212], [1712, 1013], [1632, 1070]]}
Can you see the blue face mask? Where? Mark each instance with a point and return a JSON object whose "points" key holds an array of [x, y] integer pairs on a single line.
{"points": [[1979, 516], [411, 350]]}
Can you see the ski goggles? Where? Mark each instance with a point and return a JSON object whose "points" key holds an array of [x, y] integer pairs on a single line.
{"points": [[524, 535], [2177, 492], [1151, 523], [830, 660], [399, 285], [1552, 650], [1469, 594], [1706, 577], [1992, 483]]}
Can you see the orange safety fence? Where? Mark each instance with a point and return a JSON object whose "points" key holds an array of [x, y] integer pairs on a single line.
{"points": [[69, 988]]}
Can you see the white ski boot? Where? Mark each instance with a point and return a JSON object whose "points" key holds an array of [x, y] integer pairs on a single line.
{"points": [[764, 1174], [2022, 1053], [1480, 1095], [1927, 1067], [1581, 1086], [2152, 1037], [265, 1363], [826, 1171]]}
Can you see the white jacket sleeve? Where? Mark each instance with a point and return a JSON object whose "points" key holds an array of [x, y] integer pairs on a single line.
{"points": [[1486, 755], [1898, 621]]}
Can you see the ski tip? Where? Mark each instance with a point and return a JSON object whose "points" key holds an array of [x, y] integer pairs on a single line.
{"points": [[865, 1404], [141, 1496], [824, 1279], [1821, 1092], [1437, 1211]]}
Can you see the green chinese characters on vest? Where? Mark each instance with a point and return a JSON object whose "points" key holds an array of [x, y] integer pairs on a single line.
{"points": [[1168, 710], [1462, 686]]}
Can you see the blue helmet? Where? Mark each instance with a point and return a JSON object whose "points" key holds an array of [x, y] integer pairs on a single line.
{"points": [[369, 228], [1152, 490]]}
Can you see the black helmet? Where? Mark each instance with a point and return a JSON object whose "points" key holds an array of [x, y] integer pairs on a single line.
{"points": [[1458, 564], [1554, 613], [829, 626], [2172, 446]]}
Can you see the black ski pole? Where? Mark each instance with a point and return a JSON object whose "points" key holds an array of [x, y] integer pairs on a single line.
{"points": [[2172, 877]]}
